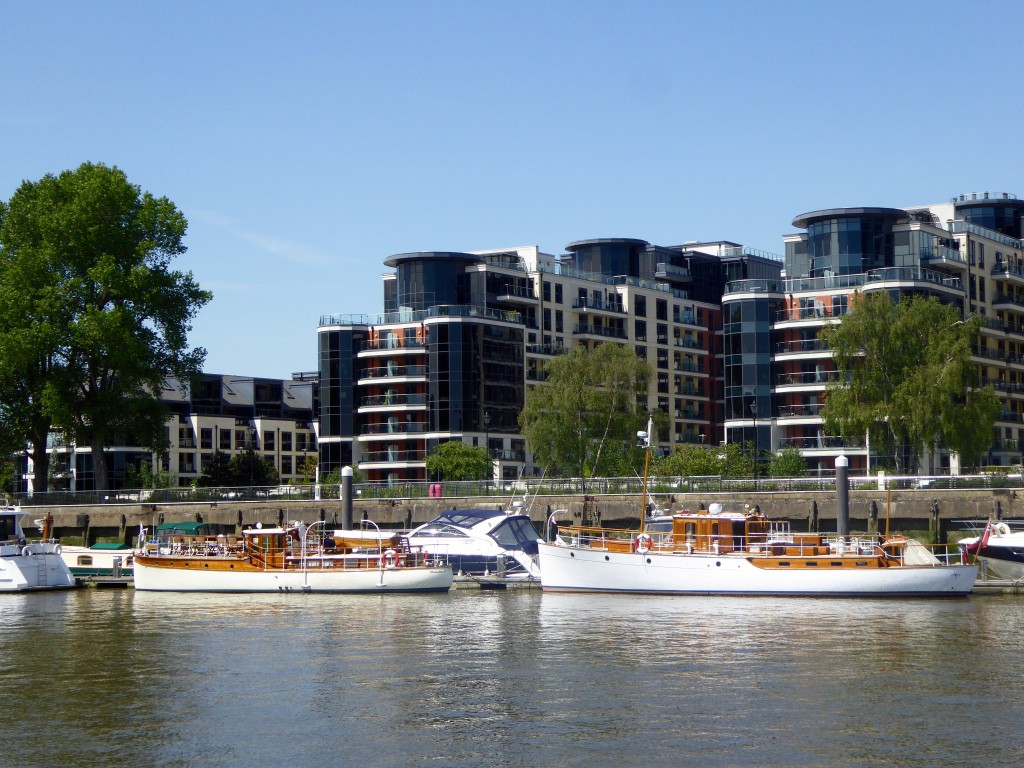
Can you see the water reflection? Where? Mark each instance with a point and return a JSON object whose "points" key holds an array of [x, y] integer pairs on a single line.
{"points": [[481, 678]]}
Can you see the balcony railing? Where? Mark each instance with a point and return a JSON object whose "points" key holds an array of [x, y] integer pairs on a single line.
{"points": [[395, 399], [394, 428], [585, 329], [598, 306], [395, 371]]}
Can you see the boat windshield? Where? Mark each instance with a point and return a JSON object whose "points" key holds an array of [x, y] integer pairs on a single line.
{"points": [[465, 518], [517, 533]]}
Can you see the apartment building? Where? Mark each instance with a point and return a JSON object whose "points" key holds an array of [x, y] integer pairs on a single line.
{"points": [[229, 414], [967, 252], [464, 335]]}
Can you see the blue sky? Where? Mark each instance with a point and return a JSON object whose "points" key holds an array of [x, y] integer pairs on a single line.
{"points": [[306, 142]]}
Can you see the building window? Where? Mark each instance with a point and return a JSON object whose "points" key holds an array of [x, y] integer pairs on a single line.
{"points": [[559, 328], [661, 309], [286, 441], [640, 330], [268, 441], [558, 293], [286, 465], [640, 306], [225, 440], [206, 438], [547, 291]]}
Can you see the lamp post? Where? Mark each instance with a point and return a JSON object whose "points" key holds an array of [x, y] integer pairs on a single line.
{"points": [[487, 441], [753, 418]]}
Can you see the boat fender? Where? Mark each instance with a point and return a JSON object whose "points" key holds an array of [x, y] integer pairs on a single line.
{"points": [[57, 550], [387, 560], [1002, 529], [26, 551], [643, 543]]}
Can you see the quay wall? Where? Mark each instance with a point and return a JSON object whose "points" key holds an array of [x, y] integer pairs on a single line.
{"points": [[932, 515]]}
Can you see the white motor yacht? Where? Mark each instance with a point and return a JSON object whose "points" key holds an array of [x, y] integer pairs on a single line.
{"points": [[29, 565]]}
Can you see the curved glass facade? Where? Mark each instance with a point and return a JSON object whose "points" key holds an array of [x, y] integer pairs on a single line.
{"points": [[608, 257], [1006, 218], [431, 279], [849, 245]]}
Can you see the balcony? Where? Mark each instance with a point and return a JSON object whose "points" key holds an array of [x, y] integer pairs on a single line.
{"points": [[601, 331], [512, 294], [393, 401], [395, 428], [589, 305], [806, 378], [666, 271], [393, 343], [393, 372]]}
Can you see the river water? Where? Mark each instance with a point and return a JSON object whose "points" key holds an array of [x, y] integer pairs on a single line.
{"points": [[117, 678]]}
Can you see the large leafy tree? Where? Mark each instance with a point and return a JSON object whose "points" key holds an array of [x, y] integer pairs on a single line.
{"points": [[455, 460], [906, 378], [584, 419], [94, 318]]}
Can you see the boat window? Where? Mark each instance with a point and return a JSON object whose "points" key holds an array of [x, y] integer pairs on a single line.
{"points": [[784, 563], [515, 532], [85, 560], [836, 564], [812, 563]]}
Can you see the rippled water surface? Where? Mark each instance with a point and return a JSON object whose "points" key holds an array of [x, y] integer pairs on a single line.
{"points": [[113, 678]]}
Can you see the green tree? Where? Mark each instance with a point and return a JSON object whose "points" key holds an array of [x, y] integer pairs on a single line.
{"points": [[251, 469], [729, 460], [584, 419], [217, 472], [455, 460], [906, 379], [689, 461], [787, 463], [94, 318]]}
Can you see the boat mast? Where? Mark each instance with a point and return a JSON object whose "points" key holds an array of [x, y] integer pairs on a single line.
{"points": [[644, 441]]}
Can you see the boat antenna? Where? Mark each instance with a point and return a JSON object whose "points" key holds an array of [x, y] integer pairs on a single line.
{"points": [[644, 441]]}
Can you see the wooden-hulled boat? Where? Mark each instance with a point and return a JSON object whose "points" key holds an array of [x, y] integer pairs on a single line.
{"points": [[716, 552], [292, 558]]}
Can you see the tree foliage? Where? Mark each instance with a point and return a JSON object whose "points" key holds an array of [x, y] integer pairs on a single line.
{"points": [[787, 463], [92, 317], [730, 460], [455, 460], [583, 420], [906, 379]]}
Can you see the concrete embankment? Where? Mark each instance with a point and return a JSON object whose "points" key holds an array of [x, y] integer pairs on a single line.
{"points": [[931, 515]]}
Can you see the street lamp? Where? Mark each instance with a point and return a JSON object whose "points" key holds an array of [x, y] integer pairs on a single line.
{"points": [[487, 441], [753, 418]]}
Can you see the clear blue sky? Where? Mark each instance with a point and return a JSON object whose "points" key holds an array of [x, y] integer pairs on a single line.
{"points": [[306, 142]]}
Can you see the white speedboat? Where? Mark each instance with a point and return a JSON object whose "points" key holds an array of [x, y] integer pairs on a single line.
{"points": [[292, 558], [482, 542], [29, 565], [1000, 548]]}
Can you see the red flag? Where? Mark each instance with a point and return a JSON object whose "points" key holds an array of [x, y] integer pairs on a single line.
{"points": [[980, 544]]}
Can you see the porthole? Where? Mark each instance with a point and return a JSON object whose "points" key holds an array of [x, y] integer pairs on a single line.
{"points": [[648, 561], [606, 558], [836, 564], [718, 564], [784, 563], [812, 563]]}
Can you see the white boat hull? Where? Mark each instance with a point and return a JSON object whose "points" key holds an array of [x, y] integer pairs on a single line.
{"points": [[38, 570], [571, 569], [1001, 567], [168, 579]]}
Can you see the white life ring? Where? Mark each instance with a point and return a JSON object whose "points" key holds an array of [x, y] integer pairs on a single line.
{"points": [[643, 543], [26, 551], [1002, 529], [388, 560], [57, 550]]}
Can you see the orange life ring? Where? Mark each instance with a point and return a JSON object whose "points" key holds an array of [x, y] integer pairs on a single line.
{"points": [[643, 543]]}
